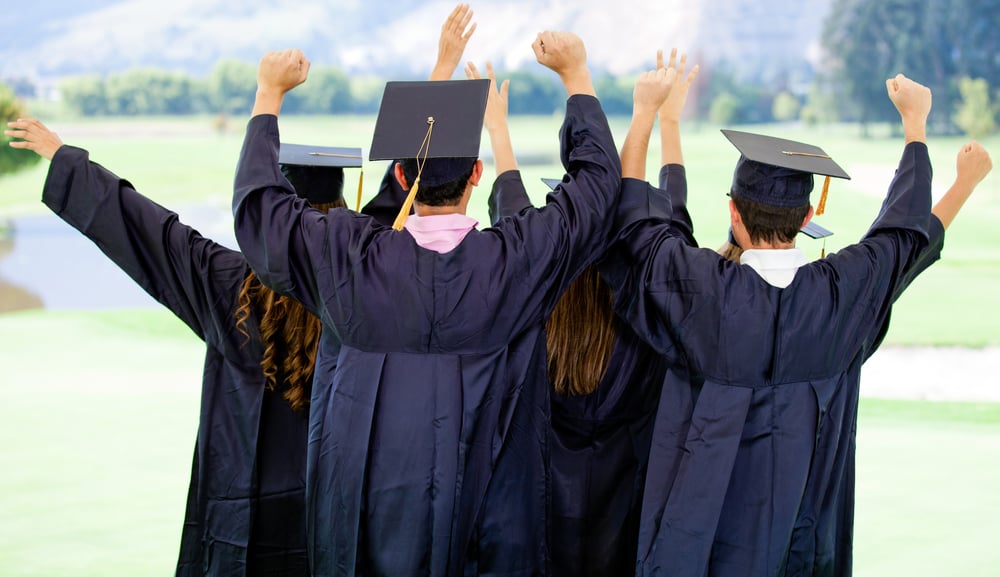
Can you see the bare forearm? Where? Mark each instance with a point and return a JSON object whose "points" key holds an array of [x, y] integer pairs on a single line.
{"points": [[670, 142], [915, 130], [267, 102], [947, 208], [503, 149], [578, 82], [637, 145]]}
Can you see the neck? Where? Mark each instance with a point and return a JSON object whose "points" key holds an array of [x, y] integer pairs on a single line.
{"points": [[425, 210], [769, 246]]}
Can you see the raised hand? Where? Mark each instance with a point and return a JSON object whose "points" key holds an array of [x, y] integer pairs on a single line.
{"points": [[565, 54], [651, 90], [913, 101], [280, 71], [34, 136], [496, 103], [973, 164], [673, 106], [495, 120], [455, 34]]}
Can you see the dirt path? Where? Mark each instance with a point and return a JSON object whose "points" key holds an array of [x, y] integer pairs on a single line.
{"points": [[933, 373]]}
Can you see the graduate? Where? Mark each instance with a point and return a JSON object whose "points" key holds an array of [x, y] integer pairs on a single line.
{"points": [[245, 511], [428, 450], [751, 470], [605, 381]]}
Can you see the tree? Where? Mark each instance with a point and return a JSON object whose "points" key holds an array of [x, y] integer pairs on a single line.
{"points": [[85, 95], [534, 94], [232, 86], [723, 109], [13, 159], [785, 107], [931, 41], [974, 113], [328, 91], [871, 41]]}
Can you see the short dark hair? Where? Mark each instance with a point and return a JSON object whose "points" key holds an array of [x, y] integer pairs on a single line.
{"points": [[445, 194], [771, 224]]}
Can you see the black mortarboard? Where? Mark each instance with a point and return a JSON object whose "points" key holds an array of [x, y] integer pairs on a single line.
{"points": [[439, 123], [779, 172], [317, 172]]}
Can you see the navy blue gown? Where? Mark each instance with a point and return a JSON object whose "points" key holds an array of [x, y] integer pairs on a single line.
{"points": [[245, 512], [428, 450], [751, 468], [600, 441]]}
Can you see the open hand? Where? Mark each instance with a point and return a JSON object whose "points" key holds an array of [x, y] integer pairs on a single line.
{"points": [[34, 136], [455, 34]]}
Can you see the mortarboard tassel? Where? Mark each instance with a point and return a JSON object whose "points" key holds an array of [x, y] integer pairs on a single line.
{"points": [[404, 211], [821, 208], [822, 252], [361, 180]]}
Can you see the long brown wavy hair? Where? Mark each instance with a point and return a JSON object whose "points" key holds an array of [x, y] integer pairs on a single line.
{"points": [[289, 333], [580, 335]]}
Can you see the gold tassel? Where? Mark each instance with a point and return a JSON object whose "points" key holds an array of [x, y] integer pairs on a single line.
{"points": [[425, 146], [404, 212], [822, 199], [361, 180], [822, 252]]}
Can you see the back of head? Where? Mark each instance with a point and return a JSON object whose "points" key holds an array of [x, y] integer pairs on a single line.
{"points": [[772, 183], [317, 184], [442, 180]]}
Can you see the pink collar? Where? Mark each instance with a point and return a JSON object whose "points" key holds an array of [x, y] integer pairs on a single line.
{"points": [[441, 232]]}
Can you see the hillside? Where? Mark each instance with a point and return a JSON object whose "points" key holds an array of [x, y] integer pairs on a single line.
{"points": [[56, 38]]}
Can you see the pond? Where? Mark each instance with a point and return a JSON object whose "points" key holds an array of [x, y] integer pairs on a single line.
{"points": [[47, 264]]}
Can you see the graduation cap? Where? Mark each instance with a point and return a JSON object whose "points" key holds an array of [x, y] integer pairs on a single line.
{"points": [[779, 172], [552, 183], [317, 172], [439, 123]]}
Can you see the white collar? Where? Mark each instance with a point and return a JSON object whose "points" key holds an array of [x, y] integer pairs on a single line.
{"points": [[776, 266]]}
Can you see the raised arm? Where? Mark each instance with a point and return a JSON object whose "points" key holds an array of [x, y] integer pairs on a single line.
{"points": [[673, 175], [455, 34], [973, 165], [195, 278], [651, 90], [284, 241], [570, 230], [673, 107]]}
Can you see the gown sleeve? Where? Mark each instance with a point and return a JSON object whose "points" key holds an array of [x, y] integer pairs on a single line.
{"points": [[673, 180], [508, 196], [571, 229], [191, 275], [286, 243]]}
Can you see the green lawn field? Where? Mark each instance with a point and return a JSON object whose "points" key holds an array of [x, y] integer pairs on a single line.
{"points": [[99, 411]]}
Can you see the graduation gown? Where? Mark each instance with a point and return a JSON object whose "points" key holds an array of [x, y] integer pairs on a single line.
{"points": [[249, 459], [600, 441], [428, 450], [247, 489], [751, 469]]}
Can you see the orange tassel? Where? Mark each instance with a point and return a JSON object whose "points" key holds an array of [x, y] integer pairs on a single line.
{"points": [[822, 199], [404, 211], [361, 180]]}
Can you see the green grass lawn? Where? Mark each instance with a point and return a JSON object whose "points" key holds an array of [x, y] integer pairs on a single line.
{"points": [[99, 410]]}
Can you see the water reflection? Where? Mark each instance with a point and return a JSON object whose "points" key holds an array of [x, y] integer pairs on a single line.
{"points": [[45, 263]]}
